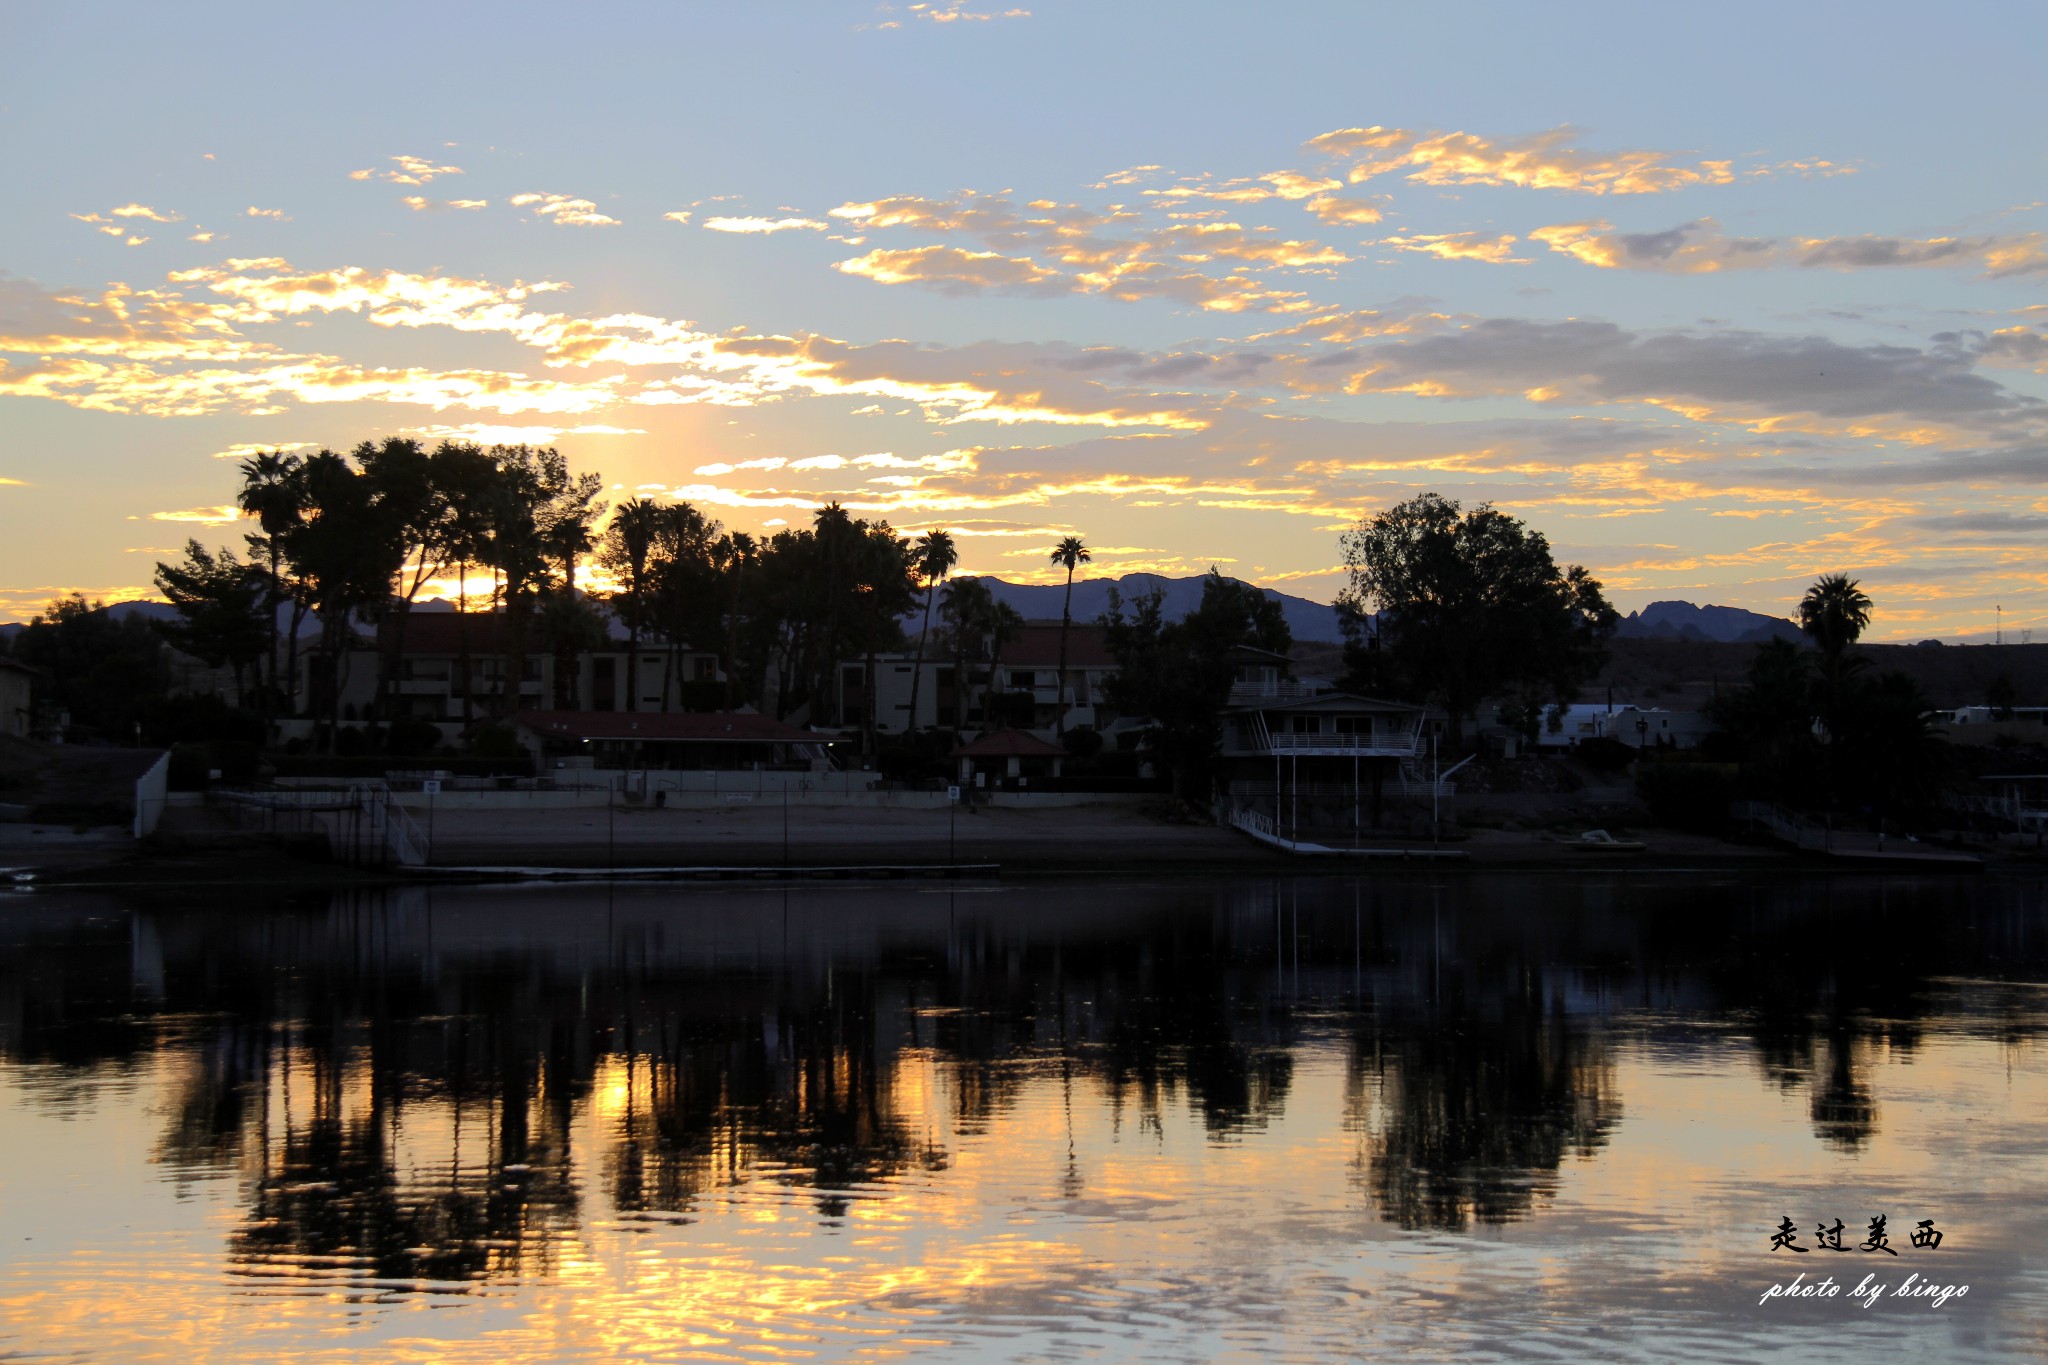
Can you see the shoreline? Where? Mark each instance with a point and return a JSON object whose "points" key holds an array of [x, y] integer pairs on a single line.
{"points": [[837, 844]]}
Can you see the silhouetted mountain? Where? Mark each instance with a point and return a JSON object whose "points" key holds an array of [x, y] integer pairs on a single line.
{"points": [[1684, 621], [1041, 602]]}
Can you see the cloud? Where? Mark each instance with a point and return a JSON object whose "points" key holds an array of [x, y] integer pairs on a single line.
{"points": [[1460, 246], [1545, 161], [419, 204], [410, 170], [1762, 381], [951, 270], [226, 515], [563, 211], [756, 224], [1046, 248], [144, 211], [499, 434], [956, 12], [679, 216], [246, 449], [277, 215], [1700, 247], [1339, 209]]}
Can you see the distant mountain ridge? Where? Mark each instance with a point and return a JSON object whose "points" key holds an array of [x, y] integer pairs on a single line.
{"points": [[1684, 621], [1309, 621]]}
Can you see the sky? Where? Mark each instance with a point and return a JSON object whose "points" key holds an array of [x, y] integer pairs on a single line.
{"points": [[1718, 301]]}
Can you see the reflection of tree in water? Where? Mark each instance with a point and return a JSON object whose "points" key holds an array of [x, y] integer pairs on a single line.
{"points": [[800, 1096], [400, 1099], [1480, 1106]]}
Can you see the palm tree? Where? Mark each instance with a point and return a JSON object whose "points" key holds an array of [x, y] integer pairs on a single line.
{"points": [[1002, 624], [1834, 613], [274, 492], [1071, 554], [934, 558], [965, 605], [626, 552]]}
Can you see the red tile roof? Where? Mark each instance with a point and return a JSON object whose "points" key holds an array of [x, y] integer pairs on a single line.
{"points": [[712, 727], [1009, 744], [1038, 646]]}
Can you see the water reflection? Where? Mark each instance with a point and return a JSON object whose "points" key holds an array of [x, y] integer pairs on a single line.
{"points": [[397, 1084]]}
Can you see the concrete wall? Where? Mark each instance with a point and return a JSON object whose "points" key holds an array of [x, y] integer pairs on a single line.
{"points": [[151, 791]]}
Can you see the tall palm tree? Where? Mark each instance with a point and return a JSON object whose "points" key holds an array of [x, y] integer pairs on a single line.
{"points": [[274, 492], [933, 558], [626, 552], [966, 606], [1071, 554], [1002, 624], [1834, 613]]}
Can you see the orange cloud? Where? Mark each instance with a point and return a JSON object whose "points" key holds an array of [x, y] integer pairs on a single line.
{"points": [[563, 211], [1546, 161]]}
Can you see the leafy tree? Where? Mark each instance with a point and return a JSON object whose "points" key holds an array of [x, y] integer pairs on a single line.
{"points": [[411, 507], [1069, 554], [220, 602], [1471, 604], [934, 557], [110, 675], [344, 554], [1178, 673]]}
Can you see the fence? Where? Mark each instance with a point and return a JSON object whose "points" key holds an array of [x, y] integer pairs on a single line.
{"points": [[363, 826]]}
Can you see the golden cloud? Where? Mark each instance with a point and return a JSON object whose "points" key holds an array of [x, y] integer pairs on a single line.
{"points": [[1546, 161], [1460, 246], [275, 215], [421, 204], [952, 270], [562, 210], [756, 225], [144, 211], [410, 170]]}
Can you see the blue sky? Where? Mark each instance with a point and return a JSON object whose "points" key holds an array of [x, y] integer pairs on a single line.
{"points": [[1718, 301]]}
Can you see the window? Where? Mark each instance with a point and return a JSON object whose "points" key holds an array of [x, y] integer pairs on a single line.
{"points": [[1305, 725], [1354, 725]]}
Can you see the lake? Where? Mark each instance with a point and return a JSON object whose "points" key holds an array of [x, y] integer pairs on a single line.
{"points": [[1429, 1117]]}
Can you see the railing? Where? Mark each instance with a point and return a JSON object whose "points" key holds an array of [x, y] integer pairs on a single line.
{"points": [[1366, 746], [1393, 786], [1284, 689]]}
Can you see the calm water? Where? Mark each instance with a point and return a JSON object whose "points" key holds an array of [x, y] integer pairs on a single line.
{"points": [[1244, 1120]]}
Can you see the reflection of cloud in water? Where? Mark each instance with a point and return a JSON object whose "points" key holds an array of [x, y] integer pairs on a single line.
{"points": [[1134, 1114]]}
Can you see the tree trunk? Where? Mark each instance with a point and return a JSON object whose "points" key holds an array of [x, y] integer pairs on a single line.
{"points": [[1059, 704], [917, 668], [462, 644]]}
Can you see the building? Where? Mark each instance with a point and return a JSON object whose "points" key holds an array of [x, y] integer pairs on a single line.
{"points": [[1566, 727], [685, 741], [1305, 757], [17, 692], [1007, 759], [440, 656], [1027, 694]]}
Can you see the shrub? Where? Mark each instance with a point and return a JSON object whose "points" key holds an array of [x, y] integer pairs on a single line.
{"points": [[405, 738], [1083, 741], [1689, 796]]}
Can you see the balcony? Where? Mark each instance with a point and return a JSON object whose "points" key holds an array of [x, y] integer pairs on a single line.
{"points": [[1277, 689], [1383, 745]]}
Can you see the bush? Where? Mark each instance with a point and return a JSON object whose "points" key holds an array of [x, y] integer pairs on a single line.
{"points": [[1083, 741], [406, 738], [1689, 796], [496, 741], [188, 768], [1604, 754], [349, 742]]}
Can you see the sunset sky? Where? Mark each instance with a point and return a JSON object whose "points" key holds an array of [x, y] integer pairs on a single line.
{"points": [[1718, 299]]}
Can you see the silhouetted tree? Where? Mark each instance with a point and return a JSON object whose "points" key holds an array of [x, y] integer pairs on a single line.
{"points": [[1471, 604]]}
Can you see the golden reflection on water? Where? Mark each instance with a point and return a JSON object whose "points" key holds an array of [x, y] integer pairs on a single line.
{"points": [[864, 1174]]}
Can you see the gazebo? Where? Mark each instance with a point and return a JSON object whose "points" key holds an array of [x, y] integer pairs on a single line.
{"points": [[1008, 758]]}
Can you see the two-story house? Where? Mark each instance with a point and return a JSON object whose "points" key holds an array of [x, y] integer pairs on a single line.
{"points": [[1304, 756]]}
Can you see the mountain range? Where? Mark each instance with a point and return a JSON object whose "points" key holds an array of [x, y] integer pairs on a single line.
{"points": [[1311, 622], [1684, 621]]}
